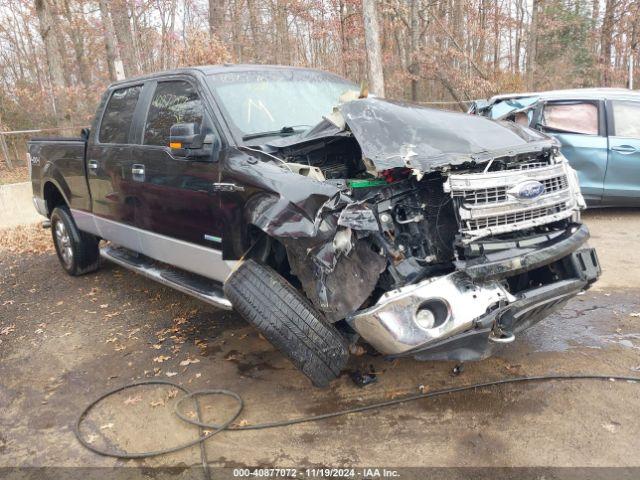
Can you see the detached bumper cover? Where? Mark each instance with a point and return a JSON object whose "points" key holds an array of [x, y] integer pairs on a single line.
{"points": [[475, 310]]}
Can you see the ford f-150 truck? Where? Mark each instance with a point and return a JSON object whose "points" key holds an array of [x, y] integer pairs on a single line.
{"points": [[321, 215]]}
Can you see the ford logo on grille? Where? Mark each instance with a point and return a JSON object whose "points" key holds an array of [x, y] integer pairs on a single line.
{"points": [[528, 190]]}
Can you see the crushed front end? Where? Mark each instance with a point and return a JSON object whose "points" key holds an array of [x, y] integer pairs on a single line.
{"points": [[429, 233], [518, 253]]}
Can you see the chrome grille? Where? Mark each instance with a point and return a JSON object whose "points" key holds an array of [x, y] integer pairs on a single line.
{"points": [[514, 218], [486, 205], [499, 194]]}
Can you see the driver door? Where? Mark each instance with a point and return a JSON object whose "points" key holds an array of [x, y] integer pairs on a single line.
{"points": [[175, 197]]}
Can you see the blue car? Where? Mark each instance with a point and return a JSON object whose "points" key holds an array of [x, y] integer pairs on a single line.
{"points": [[599, 133]]}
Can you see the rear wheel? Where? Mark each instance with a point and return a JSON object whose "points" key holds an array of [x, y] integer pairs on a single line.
{"points": [[288, 320], [77, 251]]}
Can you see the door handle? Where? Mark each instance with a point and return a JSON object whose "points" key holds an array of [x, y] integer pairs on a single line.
{"points": [[137, 169], [625, 149], [92, 164]]}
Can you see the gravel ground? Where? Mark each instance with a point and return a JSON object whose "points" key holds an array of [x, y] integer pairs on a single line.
{"points": [[65, 340]]}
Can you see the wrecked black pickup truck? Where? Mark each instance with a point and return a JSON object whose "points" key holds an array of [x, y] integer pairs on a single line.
{"points": [[322, 217]]}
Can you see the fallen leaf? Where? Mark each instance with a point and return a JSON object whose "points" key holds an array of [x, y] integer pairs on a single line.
{"points": [[636, 315], [172, 393], [358, 350], [159, 403], [157, 346], [104, 305], [232, 355], [198, 375], [189, 361], [161, 358], [8, 329], [133, 400], [243, 423], [60, 303], [171, 374]]}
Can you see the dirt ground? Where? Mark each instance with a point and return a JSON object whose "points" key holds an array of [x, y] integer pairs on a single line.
{"points": [[66, 340]]}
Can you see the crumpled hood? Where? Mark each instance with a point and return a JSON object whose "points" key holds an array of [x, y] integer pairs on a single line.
{"points": [[395, 134]]}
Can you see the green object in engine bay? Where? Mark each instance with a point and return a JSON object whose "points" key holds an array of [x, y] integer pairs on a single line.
{"points": [[366, 183]]}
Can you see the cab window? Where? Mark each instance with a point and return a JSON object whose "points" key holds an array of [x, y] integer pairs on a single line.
{"points": [[116, 121], [173, 102], [626, 119], [571, 117]]}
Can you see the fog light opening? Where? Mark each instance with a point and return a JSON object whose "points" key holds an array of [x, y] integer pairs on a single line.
{"points": [[432, 314]]}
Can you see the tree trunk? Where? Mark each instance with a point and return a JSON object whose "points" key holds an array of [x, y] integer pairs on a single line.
{"points": [[54, 62], [532, 45], [110, 46], [119, 11], [78, 46], [414, 68], [605, 42], [372, 42], [216, 16]]}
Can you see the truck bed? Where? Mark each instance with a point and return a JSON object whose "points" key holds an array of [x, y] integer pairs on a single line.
{"points": [[62, 161]]}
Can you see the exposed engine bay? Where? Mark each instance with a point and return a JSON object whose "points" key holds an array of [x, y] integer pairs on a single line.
{"points": [[412, 252]]}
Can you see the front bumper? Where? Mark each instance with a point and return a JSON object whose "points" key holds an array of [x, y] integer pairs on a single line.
{"points": [[476, 312]]}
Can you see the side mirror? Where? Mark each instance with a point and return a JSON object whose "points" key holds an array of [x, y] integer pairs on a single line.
{"points": [[185, 140], [183, 137]]}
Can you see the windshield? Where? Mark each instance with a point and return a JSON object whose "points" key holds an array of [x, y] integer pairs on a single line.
{"points": [[278, 102]]}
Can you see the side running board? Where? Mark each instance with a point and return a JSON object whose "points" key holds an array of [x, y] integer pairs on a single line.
{"points": [[202, 288]]}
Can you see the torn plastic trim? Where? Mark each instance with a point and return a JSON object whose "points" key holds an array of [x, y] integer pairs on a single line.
{"points": [[393, 326], [495, 266]]}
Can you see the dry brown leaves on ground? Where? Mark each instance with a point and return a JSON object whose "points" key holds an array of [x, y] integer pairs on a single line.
{"points": [[26, 239], [19, 173]]}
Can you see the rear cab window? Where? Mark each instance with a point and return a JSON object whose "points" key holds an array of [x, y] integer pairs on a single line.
{"points": [[580, 117], [174, 101], [626, 118], [118, 115]]}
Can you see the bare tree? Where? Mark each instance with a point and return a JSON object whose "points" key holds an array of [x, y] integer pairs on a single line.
{"points": [[111, 49], [216, 15], [51, 46], [532, 44], [372, 41], [78, 44], [119, 10], [606, 41]]}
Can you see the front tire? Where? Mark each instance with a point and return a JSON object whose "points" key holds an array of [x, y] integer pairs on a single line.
{"points": [[77, 251], [288, 320]]}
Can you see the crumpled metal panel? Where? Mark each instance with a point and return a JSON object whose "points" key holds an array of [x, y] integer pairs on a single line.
{"points": [[396, 134], [343, 288]]}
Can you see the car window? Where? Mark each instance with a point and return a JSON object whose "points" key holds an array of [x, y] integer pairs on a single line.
{"points": [[117, 117], [626, 119], [173, 102], [574, 117]]}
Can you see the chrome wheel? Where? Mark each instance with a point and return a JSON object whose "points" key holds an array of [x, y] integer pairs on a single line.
{"points": [[64, 244]]}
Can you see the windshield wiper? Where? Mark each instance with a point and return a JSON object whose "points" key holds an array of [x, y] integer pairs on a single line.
{"points": [[287, 130]]}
